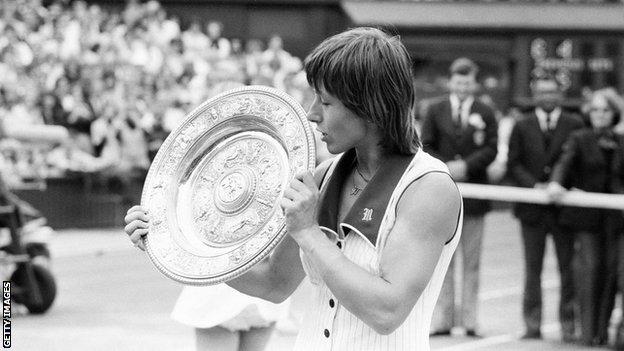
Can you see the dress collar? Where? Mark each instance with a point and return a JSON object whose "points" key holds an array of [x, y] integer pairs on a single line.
{"points": [[368, 210]]}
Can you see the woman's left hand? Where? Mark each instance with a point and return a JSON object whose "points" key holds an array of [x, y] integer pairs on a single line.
{"points": [[300, 204]]}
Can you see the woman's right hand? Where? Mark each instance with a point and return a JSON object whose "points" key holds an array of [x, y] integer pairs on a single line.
{"points": [[555, 191], [137, 224]]}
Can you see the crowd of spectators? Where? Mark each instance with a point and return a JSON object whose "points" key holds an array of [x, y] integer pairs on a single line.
{"points": [[550, 148], [120, 81]]}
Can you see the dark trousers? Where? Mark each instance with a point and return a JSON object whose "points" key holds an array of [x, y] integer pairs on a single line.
{"points": [[534, 237], [619, 237], [595, 278], [611, 276]]}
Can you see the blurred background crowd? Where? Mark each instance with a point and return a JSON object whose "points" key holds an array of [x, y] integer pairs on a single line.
{"points": [[119, 81]]}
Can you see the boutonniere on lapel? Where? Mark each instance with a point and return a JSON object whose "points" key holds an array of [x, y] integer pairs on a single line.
{"points": [[476, 121]]}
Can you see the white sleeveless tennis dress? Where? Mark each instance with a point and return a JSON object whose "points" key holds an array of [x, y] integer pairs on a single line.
{"points": [[327, 324]]}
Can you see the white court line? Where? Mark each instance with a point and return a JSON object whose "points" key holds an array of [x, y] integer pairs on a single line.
{"points": [[495, 340], [515, 290]]}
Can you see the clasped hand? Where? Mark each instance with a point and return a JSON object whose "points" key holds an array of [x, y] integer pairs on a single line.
{"points": [[137, 225], [556, 191], [300, 203]]}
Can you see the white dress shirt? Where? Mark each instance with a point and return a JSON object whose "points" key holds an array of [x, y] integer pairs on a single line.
{"points": [[462, 106], [544, 122]]}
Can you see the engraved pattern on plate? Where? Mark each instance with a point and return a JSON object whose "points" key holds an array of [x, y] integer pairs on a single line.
{"points": [[234, 201], [232, 207]]}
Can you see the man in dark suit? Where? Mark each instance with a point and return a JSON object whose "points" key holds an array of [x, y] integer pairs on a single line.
{"points": [[534, 147], [462, 131]]}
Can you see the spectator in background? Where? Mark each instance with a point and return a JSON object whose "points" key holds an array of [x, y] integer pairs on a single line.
{"points": [[462, 131], [71, 29], [253, 59], [51, 109], [593, 160], [219, 46], [237, 52], [79, 109], [173, 116], [132, 13], [617, 101], [62, 89], [168, 29], [277, 63], [133, 142], [101, 127], [24, 111], [534, 147], [194, 40], [275, 56]]}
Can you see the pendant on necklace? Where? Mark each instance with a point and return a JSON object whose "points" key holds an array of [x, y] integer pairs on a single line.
{"points": [[355, 190]]}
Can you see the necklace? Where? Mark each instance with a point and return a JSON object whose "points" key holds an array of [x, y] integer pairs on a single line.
{"points": [[355, 190]]}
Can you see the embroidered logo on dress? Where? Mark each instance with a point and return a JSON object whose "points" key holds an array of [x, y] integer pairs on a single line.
{"points": [[368, 214]]}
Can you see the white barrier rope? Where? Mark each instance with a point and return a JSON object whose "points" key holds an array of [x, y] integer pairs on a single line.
{"points": [[539, 196]]}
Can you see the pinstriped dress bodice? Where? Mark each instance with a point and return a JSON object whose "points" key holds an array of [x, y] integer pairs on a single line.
{"points": [[327, 324]]}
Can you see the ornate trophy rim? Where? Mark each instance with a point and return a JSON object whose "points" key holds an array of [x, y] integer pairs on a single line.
{"points": [[300, 157]]}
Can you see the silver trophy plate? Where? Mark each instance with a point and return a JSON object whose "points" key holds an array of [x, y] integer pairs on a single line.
{"points": [[214, 187]]}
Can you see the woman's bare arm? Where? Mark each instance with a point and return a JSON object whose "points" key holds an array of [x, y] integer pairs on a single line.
{"points": [[275, 278], [427, 216]]}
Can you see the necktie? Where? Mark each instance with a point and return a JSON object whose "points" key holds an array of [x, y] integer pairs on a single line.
{"points": [[548, 131], [548, 120], [457, 116]]}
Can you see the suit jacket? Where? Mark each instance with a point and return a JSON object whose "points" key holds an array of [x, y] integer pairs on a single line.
{"points": [[585, 166], [475, 145], [530, 161]]}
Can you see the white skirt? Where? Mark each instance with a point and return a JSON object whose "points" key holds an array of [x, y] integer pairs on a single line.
{"points": [[221, 305]]}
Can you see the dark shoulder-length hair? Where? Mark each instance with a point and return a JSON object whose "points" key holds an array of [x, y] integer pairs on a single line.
{"points": [[370, 72]]}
